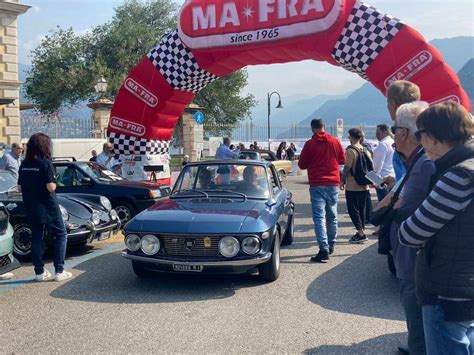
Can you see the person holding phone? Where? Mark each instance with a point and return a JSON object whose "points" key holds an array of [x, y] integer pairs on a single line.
{"points": [[106, 158]]}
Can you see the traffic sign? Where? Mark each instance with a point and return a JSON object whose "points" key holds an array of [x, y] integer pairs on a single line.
{"points": [[199, 117], [340, 127]]}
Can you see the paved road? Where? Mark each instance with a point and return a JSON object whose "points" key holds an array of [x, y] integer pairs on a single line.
{"points": [[348, 306]]}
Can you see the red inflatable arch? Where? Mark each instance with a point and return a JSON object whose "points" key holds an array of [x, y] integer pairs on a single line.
{"points": [[218, 37]]}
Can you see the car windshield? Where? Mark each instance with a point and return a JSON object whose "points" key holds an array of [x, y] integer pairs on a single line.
{"points": [[232, 180], [248, 156], [96, 172], [7, 182]]}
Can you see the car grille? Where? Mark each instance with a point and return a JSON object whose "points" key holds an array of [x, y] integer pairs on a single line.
{"points": [[3, 220], [5, 260], [190, 246]]}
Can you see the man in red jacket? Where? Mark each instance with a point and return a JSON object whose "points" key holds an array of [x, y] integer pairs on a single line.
{"points": [[322, 155]]}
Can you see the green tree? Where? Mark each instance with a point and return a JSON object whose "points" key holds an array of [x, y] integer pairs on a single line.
{"points": [[66, 66]]}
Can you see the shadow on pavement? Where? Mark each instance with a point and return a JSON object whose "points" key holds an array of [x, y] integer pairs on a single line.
{"points": [[378, 345], [109, 278], [360, 285]]}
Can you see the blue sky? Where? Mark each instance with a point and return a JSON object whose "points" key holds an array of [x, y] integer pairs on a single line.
{"points": [[433, 18]]}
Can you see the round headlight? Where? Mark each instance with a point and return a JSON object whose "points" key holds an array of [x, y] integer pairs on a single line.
{"points": [[95, 218], [132, 241], [229, 247], [150, 244], [251, 245], [64, 213], [105, 202], [113, 215]]}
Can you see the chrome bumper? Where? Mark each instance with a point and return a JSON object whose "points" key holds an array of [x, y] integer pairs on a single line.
{"points": [[92, 231], [231, 263]]}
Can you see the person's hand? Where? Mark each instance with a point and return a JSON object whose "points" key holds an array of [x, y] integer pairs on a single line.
{"points": [[342, 186], [390, 181]]}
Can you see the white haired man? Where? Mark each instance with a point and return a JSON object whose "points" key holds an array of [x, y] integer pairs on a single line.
{"points": [[419, 171]]}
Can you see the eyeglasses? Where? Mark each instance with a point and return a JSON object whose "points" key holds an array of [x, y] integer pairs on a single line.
{"points": [[419, 133], [394, 129]]}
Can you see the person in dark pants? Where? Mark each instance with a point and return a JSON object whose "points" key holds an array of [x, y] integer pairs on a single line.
{"points": [[368, 207], [356, 195], [38, 185]]}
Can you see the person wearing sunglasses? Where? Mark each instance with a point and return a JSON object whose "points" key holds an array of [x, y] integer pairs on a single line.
{"points": [[442, 228], [12, 160]]}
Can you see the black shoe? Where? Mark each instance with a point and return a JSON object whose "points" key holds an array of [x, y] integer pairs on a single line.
{"points": [[321, 257], [358, 239], [331, 249], [403, 350]]}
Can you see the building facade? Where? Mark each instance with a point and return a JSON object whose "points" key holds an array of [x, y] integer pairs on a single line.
{"points": [[9, 84]]}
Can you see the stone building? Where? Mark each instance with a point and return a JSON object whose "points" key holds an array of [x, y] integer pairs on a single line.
{"points": [[9, 84]]}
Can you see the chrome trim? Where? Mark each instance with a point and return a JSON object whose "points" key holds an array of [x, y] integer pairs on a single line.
{"points": [[94, 231], [246, 262]]}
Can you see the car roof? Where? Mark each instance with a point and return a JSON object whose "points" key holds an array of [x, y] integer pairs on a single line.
{"points": [[234, 161]]}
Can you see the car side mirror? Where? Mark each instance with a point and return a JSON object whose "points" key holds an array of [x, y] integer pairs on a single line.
{"points": [[271, 202], [86, 181]]}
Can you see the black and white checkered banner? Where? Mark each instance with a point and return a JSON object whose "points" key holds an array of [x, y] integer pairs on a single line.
{"points": [[366, 33], [178, 66], [129, 145]]}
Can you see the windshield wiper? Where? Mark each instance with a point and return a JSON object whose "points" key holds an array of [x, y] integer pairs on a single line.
{"points": [[188, 190], [244, 196]]}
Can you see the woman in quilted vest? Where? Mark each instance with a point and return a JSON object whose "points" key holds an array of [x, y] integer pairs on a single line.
{"points": [[443, 229]]}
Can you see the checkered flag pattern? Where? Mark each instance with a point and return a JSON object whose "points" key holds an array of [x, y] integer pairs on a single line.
{"points": [[129, 145], [366, 33], [178, 66]]}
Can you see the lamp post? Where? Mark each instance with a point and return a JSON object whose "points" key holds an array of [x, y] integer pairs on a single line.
{"points": [[269, 96], [101, 87], [102, 108]]}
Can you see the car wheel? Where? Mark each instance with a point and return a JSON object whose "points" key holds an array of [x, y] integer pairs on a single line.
{"points": [[391, 264], [290, 231], [125, 211], [271, 269], [22, 238], [140, 271]]}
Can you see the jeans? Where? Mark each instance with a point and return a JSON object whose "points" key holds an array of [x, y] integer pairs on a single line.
{"points": [[356, 206], [368, 209], [381, 193], [446, 338], [414, 317], [324, 207], [58, 230]]}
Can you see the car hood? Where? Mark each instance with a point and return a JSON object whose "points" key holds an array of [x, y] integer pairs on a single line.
{"points": [[77, 207], [142, 184], [197, 216]]}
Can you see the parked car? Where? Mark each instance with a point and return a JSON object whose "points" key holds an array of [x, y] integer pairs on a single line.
{"points": [[283, 167], [87, 217], [7, 260], [127, 197], [215, 222]]}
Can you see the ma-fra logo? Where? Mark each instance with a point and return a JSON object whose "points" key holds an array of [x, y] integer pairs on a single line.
{"points": [[410, 68], [215, 23], [139, 91], [450, 98], [132, 128]]}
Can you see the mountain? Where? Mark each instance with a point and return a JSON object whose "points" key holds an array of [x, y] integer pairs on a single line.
{"points": [[367, 105], [466, 75]]}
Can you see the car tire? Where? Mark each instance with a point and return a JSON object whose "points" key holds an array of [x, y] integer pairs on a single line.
{"points": [[22, 238], [271, 269], [140, 270], [125, 210], [391, 264], [290, 231]]}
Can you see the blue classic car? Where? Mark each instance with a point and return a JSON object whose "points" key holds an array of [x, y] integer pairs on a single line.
{"points": [[221, 217]]}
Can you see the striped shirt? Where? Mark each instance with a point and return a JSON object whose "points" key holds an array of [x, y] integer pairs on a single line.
{"points": [[451, 195]]}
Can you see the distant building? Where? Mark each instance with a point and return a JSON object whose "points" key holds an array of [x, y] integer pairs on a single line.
{"points": [[9, 84]]}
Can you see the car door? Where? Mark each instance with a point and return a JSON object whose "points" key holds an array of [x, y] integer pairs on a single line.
{"points": [[280, 197], [71, 179]]}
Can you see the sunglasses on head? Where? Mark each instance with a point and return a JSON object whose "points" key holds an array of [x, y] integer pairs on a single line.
{"points": [[419, 133]]}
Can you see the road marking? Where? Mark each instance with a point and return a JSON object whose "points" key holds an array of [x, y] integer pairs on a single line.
{"points": [[9, 285]]}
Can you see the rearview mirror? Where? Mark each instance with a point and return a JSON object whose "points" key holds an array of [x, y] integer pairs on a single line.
{"points": [[271, 202]]}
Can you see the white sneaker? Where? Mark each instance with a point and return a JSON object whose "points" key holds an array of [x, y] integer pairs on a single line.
{"points": [[6, 276], [62, 276], [45, 276]]}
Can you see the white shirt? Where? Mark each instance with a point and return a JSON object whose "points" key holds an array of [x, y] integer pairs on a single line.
{"points": [[383, 157], [103, 157]]}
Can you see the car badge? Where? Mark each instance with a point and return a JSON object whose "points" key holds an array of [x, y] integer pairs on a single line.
{"points": [[207, 242], [189, 244], [174, 240]]}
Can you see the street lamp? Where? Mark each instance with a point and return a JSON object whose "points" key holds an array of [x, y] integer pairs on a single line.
{"points": [[269, 96], [101, 86]]}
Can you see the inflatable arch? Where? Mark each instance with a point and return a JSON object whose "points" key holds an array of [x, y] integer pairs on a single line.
{"points": [[217, 37]]}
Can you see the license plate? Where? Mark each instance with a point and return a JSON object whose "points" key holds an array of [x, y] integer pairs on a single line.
{"points": [[105, 235], [192, 268]]}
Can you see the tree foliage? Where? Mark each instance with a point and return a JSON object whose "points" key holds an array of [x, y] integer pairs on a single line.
{"points": [[66, 65]]}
